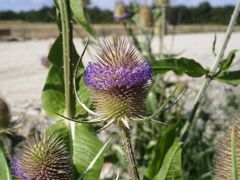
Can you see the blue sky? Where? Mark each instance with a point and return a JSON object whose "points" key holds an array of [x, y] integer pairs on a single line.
{"points": [[24, 5]]}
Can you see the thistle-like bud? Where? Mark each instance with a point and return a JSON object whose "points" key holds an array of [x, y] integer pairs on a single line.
{"points": [[146, 16], [223, 158], [42, 158], [120, 12], [119, 80], [4, 114], [163, 2]]}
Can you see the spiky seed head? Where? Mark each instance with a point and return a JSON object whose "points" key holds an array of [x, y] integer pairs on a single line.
{"points": [[42, 158], [119, 80], [85, 2], [4, 114], [146, 16], [120, 11], [222, 160]]}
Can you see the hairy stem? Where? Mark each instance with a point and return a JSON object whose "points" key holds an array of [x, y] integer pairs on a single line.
{"points": [[127, 146], [65, 12], [213, 70]]}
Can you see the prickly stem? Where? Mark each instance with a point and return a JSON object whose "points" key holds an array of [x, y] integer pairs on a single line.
{"points": [[127, 146]]}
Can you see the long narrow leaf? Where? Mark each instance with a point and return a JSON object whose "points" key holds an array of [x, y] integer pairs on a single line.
{"points": [[100, 152], [179, 66], [232, 77], [79, 16], [4, 169], [171, 168]]}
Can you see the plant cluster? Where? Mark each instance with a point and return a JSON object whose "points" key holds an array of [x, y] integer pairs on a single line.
{"points": [[123, 91]]}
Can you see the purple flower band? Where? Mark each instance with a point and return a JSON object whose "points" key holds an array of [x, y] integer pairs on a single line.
{"points": [[125, 16], [16, 169], [101, 77]]}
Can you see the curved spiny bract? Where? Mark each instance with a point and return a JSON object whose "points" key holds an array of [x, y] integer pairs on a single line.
{"points": [[119, 80], [223, 157], [42, 158]]}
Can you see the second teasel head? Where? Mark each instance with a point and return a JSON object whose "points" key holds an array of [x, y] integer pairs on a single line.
{"points": [[42, 157], [146, 16], [119, 79], [120, 11], [223, 157]]}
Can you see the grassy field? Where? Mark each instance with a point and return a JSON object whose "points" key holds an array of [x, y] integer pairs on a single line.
{"points": [[27, 30]]}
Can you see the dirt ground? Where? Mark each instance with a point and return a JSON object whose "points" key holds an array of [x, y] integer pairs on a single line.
{"points": [[29, 30]]}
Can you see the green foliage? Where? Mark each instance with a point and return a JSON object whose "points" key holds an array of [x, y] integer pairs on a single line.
{"points": [[231, 77], [163, 145], [179, 66], [4, 169], [53, 99], [85, 148], [79, 16], [171, 168], [226, 63], [202, 14]]}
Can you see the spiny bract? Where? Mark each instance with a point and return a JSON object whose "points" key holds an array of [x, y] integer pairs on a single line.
{"points": [[119, 79], [223, 156], [42, 158]]}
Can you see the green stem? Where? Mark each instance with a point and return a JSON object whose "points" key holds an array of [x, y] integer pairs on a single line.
{"points": [[234, 155], [65, 12], [213, 71], [126, 142]]}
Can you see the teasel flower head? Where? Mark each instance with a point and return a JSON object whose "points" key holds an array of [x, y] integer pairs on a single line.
{"points": [[224, 156], [146, 16], [42, 157], [163, 2], [120, 11], [85, 2], [4, 114], [119, 80]]}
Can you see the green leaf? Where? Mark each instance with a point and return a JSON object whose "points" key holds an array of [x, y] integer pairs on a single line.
{"points": [[5, 173], [234, 155], [79, 16], [53, 99], [165, 142], [85, 148], [171, 168], [232, 77], [99, 154], [226, 63], [55, 55], [179, 66]]}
